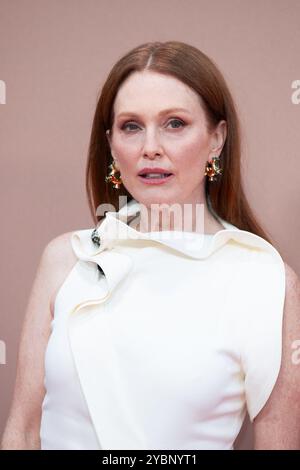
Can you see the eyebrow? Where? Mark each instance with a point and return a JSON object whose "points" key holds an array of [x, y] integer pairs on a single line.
{"points": [[164, 111]]}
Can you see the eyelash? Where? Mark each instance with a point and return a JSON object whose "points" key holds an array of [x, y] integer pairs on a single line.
{"points": [[172, 120]]}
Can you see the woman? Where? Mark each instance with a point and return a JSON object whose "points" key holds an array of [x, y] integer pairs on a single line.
{"points": [[176, 315]]}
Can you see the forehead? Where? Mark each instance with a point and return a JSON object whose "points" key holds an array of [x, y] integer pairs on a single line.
{"points": [[146, 91]]}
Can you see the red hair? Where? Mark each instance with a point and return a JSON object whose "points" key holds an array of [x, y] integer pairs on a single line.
{"points": [[188, 64]]}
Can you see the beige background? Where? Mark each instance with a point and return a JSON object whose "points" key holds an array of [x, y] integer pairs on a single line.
{"points": [[55, 55]]}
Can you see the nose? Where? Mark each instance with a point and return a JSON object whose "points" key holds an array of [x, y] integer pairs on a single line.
{"points": [[151, 147]]}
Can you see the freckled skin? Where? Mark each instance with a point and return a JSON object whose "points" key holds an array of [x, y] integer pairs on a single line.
{"points": [[161, 140]]}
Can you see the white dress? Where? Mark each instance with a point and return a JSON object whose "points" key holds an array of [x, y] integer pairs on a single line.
{"points": [[168, 345]]}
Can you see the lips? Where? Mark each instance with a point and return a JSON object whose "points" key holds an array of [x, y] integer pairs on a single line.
{"points": [[155, 180], [154, 170], [155, 175]]}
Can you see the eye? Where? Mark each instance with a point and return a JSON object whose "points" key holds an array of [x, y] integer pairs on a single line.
{"points": [[125, 126], [130, 126], [178, 121]]}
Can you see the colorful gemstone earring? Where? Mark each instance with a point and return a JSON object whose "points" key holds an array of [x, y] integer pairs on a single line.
{"points": [[112, 178], [212, 169]]}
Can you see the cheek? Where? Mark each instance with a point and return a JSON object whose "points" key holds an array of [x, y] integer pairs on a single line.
{"points": [[191, 156], [187, 155], [127, 155]]}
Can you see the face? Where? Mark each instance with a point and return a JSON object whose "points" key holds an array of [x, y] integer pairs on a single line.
{"points": [[160, 122]]}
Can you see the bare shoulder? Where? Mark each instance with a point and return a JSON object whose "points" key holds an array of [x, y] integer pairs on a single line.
{"points": [[23, 424], [60, 259], [277, 424], [291, 317], [292, 282], [291, 322]]}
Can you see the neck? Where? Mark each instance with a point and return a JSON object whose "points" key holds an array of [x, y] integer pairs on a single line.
{"points": [[191, 218]]}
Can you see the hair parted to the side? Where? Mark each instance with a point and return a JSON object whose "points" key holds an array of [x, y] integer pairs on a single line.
{"points": [[198, 71]]}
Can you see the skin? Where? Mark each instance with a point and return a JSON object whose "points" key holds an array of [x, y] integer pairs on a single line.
{"points": [[22, 430], [277, 425], [148, 139]]}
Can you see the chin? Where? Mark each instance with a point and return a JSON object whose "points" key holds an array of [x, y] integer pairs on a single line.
{"points": [[158, 197]]}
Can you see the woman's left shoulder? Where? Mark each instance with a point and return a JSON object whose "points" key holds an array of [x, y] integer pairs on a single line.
{"points": [[292, 282], [281, 412], [291, 316], [292, 305]]}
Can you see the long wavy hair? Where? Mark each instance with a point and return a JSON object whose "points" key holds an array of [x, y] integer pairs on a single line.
{"points": [[187, 63]]}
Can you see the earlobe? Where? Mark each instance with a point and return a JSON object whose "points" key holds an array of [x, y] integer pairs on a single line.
{"points": [[107, 133], [220, 136], [224, 125], [108, 136], [223, 130]]}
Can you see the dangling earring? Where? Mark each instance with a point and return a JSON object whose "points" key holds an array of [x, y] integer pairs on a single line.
{"points": [[112, 178], [212, 169]]}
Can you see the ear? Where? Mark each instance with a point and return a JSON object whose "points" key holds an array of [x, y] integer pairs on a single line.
{"points": [[218, 138], [108, 136]]}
